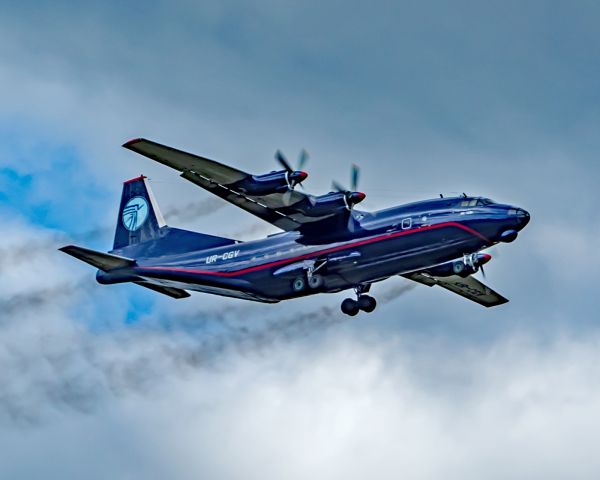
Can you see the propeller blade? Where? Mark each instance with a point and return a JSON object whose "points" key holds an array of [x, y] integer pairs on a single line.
{"points": [[287, 198], [351, 221], [354, 177], [303, 159], [282, 160], [337, 187], [482, 271]]}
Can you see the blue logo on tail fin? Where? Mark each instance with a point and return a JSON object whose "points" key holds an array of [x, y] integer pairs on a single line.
{"points": [[135, 213]]}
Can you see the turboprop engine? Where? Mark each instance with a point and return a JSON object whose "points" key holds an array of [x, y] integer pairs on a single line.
{"points": [[468, 265]]}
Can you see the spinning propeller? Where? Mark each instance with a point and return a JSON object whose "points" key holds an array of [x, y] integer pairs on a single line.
{"points": [[352, 196], [492, 252], [476, 261], [295, 177]]}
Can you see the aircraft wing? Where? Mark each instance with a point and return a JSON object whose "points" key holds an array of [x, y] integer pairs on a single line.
{"points": [[284, 210], [469, 288]]}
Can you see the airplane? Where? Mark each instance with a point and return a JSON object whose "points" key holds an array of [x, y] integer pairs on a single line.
{"points": [[326, 244]]}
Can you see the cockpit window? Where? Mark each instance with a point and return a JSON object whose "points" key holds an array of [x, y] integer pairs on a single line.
{"points": [[475, 202]]}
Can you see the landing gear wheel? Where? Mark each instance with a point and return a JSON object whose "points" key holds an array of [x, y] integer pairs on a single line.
{"points": [[350, 307], [315, 281], [298, 284], [367, 303]]}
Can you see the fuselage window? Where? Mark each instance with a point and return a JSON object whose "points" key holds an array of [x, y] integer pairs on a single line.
{"points": [[406, 223]]}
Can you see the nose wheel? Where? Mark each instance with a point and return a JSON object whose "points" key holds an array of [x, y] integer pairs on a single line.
{"points": [[363, 302]]}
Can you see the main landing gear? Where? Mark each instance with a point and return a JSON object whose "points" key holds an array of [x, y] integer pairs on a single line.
{"points": [[311, 278], [363, 302]]}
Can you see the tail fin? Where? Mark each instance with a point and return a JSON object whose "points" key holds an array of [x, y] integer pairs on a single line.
{"points": [[139, 218]]}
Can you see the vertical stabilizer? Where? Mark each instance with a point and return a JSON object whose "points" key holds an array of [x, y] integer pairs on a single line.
{"points": [[139, 218]]}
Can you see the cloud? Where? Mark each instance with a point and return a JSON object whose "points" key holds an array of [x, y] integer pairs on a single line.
{"points": [[262, 403], [354, 409]]}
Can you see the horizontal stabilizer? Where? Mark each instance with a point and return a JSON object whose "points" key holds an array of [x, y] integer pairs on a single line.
{"points": [[170, 291], [100, 260]]}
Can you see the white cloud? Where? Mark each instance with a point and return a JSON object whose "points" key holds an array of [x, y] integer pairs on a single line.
{"points": [[345, 407]]}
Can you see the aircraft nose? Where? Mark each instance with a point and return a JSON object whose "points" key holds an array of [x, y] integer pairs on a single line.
{"points": [[523, 217]]}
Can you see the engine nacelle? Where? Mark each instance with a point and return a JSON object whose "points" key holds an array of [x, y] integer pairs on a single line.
{"points": [[330, 202], [274, 182], [448, 269], [464, 267]]}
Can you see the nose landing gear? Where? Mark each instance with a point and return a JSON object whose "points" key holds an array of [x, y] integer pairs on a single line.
{"points": [[363, 302]]}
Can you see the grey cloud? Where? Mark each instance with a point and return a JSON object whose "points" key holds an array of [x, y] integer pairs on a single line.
{"points": [[449, 101], [490, 56]]}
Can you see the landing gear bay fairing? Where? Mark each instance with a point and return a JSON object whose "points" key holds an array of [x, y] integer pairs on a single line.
{"points": [[327, 245]]}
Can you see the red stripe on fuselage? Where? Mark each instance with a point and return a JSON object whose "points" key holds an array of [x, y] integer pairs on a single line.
{"points": [[321, 252]]}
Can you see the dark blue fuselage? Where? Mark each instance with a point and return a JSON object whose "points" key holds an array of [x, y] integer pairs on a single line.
{"points": [[379, 245]]}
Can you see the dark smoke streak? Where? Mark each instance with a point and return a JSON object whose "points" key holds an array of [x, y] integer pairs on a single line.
{"points": [[40, 298], [393, 292], [195, 210], [10, 256], [79, 370]]}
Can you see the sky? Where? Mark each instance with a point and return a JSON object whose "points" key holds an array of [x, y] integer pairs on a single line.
{"points": [[499, 99]]}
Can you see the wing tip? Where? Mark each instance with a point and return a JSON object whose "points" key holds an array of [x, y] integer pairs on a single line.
{"points": [[132, 142]]}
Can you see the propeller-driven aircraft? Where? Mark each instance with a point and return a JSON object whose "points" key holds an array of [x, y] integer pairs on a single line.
{"points": [[326, 244]]}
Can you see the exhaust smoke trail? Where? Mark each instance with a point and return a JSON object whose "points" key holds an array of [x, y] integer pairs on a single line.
{"points": [[393, 292], [244, 336], [39, 298], [194, 210], [14, 255], [55, 364]]}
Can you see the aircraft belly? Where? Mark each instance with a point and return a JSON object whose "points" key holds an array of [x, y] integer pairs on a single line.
{"points": [[222, 291], [400, 256]]}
